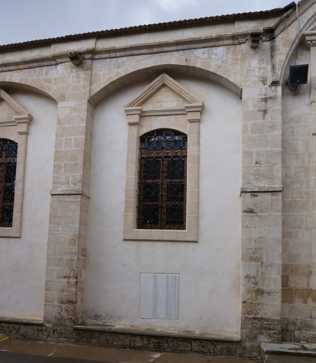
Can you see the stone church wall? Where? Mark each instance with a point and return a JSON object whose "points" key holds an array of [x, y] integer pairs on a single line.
{"points": [[246, 74]]}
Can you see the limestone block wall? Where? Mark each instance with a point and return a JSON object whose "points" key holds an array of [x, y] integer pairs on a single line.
{"points": [[298, 293], [261, 193], [66, 240]]}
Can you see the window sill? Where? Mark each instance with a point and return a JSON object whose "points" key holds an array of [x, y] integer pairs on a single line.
{"points": [[161, 235], [10, 232]]}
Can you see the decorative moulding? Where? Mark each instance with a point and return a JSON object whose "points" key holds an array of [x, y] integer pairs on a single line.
{"points": [[162, 80], [310, 38], [21, 118], [16, 129], [310, 31], [141, 117]]}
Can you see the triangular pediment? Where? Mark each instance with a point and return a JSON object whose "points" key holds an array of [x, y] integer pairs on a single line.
{"points": [[311, 28], [6, 112], [164, 91], [309, 34], [164, 97], [11, 110]]}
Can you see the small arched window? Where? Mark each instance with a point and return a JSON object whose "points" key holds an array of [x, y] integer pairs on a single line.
{"points": [[162, 180], [8, 158]]}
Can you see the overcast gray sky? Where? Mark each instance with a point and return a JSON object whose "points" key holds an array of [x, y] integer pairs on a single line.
{"points": [[22, 20]]}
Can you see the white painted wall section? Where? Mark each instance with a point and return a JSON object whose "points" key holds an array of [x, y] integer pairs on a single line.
{"points": [[23, 260], [209, 271]]}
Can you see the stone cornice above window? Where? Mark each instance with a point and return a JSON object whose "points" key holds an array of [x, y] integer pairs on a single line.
{"points": [[310, 38]]}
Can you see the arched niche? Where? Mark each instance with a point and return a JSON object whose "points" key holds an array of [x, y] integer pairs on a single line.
{"points": [[152, 72], [28, 116], [308, 27], [12, 86], [220, 160]]}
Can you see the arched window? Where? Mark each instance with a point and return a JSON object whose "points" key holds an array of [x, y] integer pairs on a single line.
{"points": [[8, 157], [162, 180]]}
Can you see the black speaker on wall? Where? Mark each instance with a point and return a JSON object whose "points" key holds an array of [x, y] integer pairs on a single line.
{"points": [[298, 75]]}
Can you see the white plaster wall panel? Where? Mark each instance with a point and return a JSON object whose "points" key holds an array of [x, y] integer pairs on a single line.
{"points": [[23, 260], [209, 305], [159, 296]]}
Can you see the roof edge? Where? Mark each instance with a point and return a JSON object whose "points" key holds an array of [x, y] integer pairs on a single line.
{"points": [[170, 25]]}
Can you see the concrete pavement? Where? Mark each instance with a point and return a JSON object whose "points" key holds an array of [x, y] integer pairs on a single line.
{"points": [[27, 358]]}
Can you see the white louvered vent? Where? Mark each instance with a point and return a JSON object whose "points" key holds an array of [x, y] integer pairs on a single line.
{"points": [[159, 296]]}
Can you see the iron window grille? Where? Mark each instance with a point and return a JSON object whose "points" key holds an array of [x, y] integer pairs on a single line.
{"points": [[162, 180], [8, 158]]}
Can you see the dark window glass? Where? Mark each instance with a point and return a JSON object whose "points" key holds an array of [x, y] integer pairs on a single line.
{"points": [[175, 214], [175, 192], [150, 217], [151, 192], [162, 180], [151, 168], [175, 168], [8, 155]]}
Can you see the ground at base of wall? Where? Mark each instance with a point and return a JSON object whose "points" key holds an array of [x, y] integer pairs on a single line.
{"points": [[72, 335], [289, 353], [106, 355]]}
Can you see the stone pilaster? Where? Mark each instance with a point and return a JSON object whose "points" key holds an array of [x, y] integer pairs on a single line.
{"points": [[311, 40], [66, 249], [261, 200], [300, 289]]}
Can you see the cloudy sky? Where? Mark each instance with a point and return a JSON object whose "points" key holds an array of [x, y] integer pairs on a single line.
{"points": [[33, 19]]}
